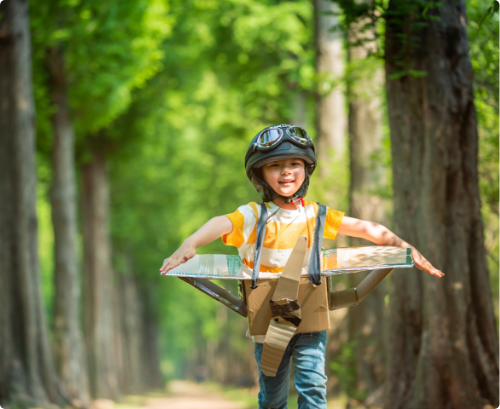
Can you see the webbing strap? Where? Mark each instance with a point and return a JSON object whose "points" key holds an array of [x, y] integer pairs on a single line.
{"points": [[285, 321], [315, 256], [261, 233]]}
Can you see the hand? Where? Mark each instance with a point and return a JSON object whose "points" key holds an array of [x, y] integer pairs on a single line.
{"points": [[423, 264], [183, 254]]}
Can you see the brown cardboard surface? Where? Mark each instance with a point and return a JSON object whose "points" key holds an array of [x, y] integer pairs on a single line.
{"points": [[280, 331], [277, 339], [289, 280], [313, 302]]}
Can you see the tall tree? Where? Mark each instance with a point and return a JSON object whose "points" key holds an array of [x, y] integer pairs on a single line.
{"points": [[27, 376], [330, 64], [367, 165], [150, 337], [331, 116], [445, 353], [86, 98], [68, 344], [98, 280], [128, 333]]}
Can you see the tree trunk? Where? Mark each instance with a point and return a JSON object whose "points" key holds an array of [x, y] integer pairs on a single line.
{"points": [[299, 109], [366, 321], [331, 185], [444, 345], [98, 280], [150, 337], [67, 336], [27, 376], [331, 117], [129, 332]]}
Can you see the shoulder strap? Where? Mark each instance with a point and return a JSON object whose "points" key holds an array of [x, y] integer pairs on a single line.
{"points": [[261, 233], [315, 255]]}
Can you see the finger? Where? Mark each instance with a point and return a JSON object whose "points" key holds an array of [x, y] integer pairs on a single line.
{"points": [[428, 268], [424, 265], [164, 264], [435, 272], [176, 264], [172, 263], [169, 267]]}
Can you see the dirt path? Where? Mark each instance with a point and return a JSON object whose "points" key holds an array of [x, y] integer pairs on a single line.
{"points": [[189, 395]]}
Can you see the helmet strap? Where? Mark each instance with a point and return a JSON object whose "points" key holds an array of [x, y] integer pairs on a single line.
{"points": [[268, 194], [301, 201]]}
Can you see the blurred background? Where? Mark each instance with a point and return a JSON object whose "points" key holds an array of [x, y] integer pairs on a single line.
{"points": [[123, 128]]}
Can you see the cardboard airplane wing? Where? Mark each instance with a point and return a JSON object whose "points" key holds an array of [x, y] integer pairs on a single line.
{"points": [[335, 261], [288, 303], [380, 260]]}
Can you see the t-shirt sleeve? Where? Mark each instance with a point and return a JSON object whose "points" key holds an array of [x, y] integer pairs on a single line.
{"points": [[235, 238], [332, 223], [244, 221]]}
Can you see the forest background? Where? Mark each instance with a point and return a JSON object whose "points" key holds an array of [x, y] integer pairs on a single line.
{"points": [[144, 111]]}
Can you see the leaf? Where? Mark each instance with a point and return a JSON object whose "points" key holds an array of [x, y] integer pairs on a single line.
{"points": [[490, 12], [495, 7], [397, 75], [417, 73]]}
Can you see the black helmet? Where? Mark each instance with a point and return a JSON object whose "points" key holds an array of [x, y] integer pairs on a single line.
{"points": [[287, 142]]}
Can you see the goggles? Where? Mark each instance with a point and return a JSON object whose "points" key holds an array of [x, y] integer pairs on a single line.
{"points": [[271, 137]]}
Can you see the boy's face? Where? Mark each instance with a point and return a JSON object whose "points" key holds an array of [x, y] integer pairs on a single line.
{"points": [[285, 176]]}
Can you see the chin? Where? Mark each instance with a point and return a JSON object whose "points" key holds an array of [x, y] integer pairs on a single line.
{"points": [[287, 193]]}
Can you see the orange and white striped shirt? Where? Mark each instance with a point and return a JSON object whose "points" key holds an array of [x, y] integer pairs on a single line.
{"points": [[282, 232]]}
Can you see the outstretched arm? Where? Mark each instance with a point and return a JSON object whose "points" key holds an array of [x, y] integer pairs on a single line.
{"points": [[381, 235], [207, 233]]}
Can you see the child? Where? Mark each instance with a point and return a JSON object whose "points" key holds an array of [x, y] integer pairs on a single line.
{"points": [[279, 163]]}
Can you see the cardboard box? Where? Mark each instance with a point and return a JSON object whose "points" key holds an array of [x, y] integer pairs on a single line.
{"points": [[313, 303]]}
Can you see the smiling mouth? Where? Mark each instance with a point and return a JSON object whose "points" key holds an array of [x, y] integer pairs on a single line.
{"points": [[285, 182]]}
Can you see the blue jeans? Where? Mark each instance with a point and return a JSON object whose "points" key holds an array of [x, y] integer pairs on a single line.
{"points": [[308, 353]]}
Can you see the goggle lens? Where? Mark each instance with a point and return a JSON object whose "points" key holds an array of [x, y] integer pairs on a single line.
{"points": [[299, 135], [270, 137]]}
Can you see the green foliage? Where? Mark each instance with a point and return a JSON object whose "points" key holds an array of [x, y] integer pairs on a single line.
{"points": [[483, 35], [407, 19], [490, 12], [109, 49], [45, 235], [344, 368], [367, 16]]}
